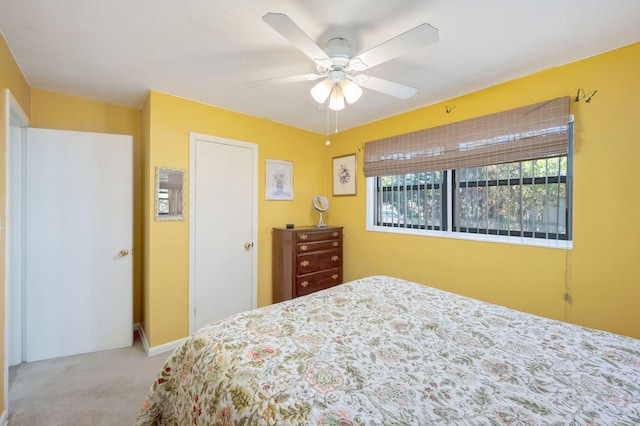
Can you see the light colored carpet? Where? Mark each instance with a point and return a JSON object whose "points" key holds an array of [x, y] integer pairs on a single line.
{"points": [[100, 388]]}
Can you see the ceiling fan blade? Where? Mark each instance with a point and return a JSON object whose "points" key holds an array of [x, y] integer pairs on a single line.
{"points": [[414, 39], [385, 86], [287, 28], [283, 80]]}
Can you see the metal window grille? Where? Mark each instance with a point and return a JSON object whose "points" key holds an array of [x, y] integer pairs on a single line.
{"points": [[526, 199], [413, 200]]}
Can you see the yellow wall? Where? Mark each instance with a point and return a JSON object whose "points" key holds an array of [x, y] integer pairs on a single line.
{"points": [[52, 110], [10, 78], [600, 272], [170, 119]]}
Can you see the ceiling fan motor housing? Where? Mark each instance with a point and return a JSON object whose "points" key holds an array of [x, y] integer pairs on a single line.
{"points": [[340, 53], [336, 75], [338, 49]]}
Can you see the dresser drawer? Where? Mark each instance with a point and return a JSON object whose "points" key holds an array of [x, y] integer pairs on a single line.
{"points": [[317, 261], [318, 246], [306, 284], [308, 237]]}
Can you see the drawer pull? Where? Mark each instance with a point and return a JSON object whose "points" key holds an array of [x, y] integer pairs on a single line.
{"points": [[304, 263], [335, 234], [304, 283], [303, 248], [334, 276], [303, 237], [335, 258], [336, 243]]}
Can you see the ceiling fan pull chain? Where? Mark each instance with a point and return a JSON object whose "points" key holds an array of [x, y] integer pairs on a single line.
{"points": [[328, 142]]}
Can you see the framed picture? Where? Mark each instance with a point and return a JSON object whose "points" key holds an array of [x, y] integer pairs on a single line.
{"points": [[344, 174], [279, 180]]}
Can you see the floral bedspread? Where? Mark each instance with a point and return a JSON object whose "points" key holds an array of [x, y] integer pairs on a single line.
{"points": [[383, 351]]}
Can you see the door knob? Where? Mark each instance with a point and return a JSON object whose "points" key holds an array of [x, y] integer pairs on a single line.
{"points": [[123, 252], [247, 246]]}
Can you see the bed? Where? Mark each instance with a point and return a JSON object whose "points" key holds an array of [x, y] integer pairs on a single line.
{"points": [[385, 351]]}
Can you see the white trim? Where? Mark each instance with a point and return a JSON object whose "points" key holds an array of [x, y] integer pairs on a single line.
{"points": [[143, 338], [14, 117], [15, 244], [16, 114], [167, 347], [156, 350], [536, 242], [193, 137]]}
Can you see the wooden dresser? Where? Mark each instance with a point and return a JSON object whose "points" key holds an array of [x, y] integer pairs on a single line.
{"points": [[305, 259]]}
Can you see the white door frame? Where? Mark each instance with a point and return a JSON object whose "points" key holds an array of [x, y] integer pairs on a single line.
{"points": [[193, 137], [13, 325]]}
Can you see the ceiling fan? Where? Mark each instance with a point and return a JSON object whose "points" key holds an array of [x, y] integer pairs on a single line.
{"points": [[340, 68]]}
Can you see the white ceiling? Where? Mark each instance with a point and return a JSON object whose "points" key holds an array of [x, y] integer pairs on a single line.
{"points": [[207, 50]]}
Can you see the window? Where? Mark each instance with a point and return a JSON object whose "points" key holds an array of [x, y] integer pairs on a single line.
{"points": [[528, 199], [505, 176], [413, 200]]}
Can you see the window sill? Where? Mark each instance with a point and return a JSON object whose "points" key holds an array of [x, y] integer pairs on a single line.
{"points": [[535, 242]]}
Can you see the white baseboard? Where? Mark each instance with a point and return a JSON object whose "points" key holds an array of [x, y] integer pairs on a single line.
{"points": [[156, 350], [4, 420]]}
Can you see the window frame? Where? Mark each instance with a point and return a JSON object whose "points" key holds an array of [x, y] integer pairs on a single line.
{"points": [[448, 209], [440, 186]]}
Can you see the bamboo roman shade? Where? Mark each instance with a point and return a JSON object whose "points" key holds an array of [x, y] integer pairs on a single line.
{"points": [[530, 132]]}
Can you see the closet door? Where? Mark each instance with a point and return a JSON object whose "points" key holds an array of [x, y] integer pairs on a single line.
{"points": [[223, 223], [78, 240]]}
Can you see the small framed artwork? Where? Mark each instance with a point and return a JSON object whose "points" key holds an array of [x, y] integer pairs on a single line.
{"points": [[344, 174], [279, 180]]}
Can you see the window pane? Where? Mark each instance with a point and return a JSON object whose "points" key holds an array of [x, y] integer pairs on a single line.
{"points": [[503, 171], [434, 205], [492, 172], [527, 199], [412, 200], [493, 208], [514, 170], [514, 208]]}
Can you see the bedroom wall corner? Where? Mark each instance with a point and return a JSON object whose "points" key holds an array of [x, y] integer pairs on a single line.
{"points": [[11, 77], [145, 322], [171, 119], [604, 280], [599, 272]]}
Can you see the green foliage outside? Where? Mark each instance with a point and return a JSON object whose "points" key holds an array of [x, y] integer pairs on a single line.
{"points": [[528, 196]]}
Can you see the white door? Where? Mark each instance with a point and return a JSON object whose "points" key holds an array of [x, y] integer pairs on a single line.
{"points": [[78, 238], [223, 221]]}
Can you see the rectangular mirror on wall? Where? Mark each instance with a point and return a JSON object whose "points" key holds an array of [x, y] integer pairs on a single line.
{"points": [[169, 194]]}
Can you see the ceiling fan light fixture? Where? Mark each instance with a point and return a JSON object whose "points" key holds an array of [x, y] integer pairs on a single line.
{"points": [[336, 101], [321, 91], [351, 91]]}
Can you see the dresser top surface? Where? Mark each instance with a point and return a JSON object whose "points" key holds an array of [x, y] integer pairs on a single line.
{"points": [[309, 228]]}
